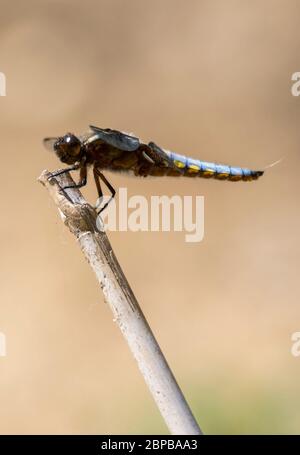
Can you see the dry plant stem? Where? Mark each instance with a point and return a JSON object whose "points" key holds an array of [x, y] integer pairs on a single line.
{"points": [[80, 218]]}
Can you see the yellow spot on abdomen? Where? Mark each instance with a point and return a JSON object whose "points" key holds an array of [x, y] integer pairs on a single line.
{"points": [[193, 168], [179, 164], [222, 176], [208, 172]]}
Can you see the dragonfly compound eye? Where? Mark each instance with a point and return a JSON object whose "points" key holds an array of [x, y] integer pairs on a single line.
{"points": [[68, 148], [72, 144]]}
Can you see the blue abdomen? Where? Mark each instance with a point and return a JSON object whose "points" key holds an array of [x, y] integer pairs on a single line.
{"points": [[191, 167]]}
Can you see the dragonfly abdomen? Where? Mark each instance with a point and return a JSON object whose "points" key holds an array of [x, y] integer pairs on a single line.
{"points": [[191, 168]]}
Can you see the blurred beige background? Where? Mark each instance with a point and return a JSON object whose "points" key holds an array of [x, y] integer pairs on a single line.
{"points": [[207, 78]]}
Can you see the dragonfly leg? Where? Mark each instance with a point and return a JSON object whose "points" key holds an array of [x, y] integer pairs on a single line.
{"points": [[98, 184], [99, 189], [98, 175], [82, 182], [64, 171], [75, 167]]}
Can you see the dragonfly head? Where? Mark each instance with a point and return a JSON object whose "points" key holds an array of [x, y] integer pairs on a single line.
{"points": [[67, 148]]}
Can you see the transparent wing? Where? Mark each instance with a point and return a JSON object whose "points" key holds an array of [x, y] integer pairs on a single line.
{"points": [[49, 143], [117, 139]]}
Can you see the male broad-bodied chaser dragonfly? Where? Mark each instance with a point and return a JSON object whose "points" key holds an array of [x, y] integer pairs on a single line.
{"points": [[112, 150]]}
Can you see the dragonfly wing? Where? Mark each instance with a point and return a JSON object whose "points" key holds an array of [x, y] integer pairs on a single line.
{"points": [[117, 139], [49, 143]]}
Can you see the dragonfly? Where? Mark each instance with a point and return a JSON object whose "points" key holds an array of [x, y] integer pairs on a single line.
{"points": [[105, 149]]}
